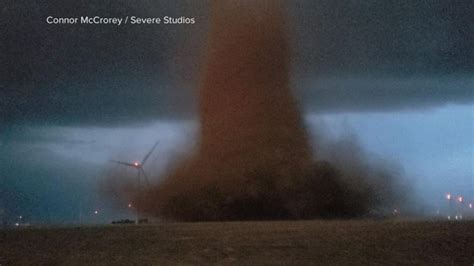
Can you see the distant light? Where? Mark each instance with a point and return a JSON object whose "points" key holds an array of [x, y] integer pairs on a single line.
{"points": [[17, 224], [456, 217], [96, 212], [395, 211], [21, 217], [460, 199], [130, 205], [470, 205], [136, 163], [448, 196], [449, 217]]}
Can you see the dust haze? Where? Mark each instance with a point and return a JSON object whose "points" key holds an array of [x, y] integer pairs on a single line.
{"points": [[254, 158]]}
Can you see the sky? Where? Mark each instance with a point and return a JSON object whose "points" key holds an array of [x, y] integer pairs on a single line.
{"points": [[397, 75]]}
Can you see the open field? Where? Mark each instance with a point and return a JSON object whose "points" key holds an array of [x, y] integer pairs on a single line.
{"points": [[287, 242]]}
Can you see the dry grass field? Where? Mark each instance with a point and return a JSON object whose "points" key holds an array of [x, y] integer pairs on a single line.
{"points": [[356, 242]]}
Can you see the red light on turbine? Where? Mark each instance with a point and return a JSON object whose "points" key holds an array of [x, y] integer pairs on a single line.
{"points": [[136, 163]]}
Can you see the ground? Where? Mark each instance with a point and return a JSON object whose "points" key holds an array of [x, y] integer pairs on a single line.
{"points": [[354, 242]]}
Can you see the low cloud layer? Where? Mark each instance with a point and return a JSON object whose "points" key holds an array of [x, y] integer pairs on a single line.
{"points": [[382, 94]]}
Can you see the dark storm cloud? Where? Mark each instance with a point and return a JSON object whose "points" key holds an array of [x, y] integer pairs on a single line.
{"points": [[385, 94], [105, 75], [398, 37], [25, 135], [95, 74]]}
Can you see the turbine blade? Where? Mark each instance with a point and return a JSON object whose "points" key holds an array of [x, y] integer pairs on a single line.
{"points": [[149, 153], [124, 163], [146, 177]]}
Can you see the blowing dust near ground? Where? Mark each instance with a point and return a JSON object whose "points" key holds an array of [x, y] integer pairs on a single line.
{"points": [[254, 159]]}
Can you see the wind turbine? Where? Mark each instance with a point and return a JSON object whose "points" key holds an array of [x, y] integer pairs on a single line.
{"points": [[138, 165]]}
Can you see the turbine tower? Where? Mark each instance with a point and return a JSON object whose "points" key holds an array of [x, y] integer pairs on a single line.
{"points": [[138, 165]]}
